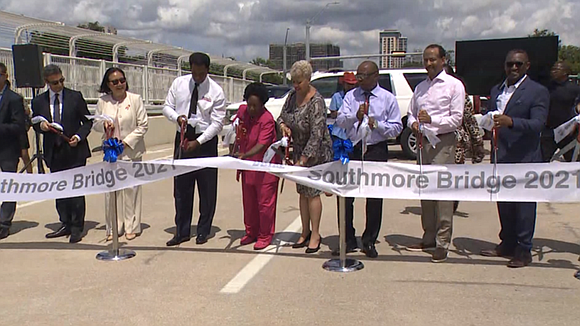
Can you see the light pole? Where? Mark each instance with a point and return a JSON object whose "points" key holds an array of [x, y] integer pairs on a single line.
{"points": [[310, 21], [284, 57]]}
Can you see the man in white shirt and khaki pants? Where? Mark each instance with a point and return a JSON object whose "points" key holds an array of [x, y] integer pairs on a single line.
{"points": [[437, 103], [199, 102]]}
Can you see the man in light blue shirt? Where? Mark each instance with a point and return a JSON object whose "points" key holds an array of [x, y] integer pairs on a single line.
{"points": [[349, 82], [384, 121]]}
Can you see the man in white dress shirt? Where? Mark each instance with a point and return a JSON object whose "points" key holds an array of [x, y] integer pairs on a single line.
{"points": [[437, 105], [198, 102]]}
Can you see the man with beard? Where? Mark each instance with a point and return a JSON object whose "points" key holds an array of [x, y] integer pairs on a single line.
{"points": [[437, 107], [522, 107]]}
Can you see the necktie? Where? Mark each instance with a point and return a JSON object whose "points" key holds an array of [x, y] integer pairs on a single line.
{"points": [[56, 115], [193, 103], [367, 100]]}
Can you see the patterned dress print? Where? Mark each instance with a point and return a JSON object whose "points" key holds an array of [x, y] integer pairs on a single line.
{"points": [[469, 138], [310, 136]]}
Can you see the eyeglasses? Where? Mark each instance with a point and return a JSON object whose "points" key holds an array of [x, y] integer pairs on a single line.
{"points": [[510, 64], [117, 81], [56, 82], [364, 76]]}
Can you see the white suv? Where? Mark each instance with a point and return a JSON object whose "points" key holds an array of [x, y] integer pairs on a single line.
{"points": [[400, 82]]}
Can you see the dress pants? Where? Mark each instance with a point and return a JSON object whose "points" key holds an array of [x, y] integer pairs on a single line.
{"points": [[71, 211], [437, 215], [374, 206], [129, 203], [7, 209], [518, 221], [183, 186], [260, 209]]}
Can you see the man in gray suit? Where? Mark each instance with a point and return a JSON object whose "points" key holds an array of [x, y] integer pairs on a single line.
{"points": [[522, 105]]}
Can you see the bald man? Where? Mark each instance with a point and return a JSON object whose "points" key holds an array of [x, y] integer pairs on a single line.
{"points": [[384, 119]]}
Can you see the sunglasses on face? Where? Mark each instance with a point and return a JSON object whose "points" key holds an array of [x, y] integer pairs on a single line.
{"points": [[117, 81], [510, 64], [56, 82]]}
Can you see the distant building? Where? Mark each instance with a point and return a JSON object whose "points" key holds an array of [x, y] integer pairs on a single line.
{"points": [[391, 41], [297, 51]]}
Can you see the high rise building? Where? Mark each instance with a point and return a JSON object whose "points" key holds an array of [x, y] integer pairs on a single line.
{"points": [[297, 51], [391, 41]]}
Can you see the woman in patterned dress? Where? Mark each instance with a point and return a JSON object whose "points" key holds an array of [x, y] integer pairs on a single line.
{"points": [[303, 118], [469, 137]]}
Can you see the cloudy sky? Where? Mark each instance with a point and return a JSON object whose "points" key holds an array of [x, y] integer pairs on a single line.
{"points": [[244, 29]]}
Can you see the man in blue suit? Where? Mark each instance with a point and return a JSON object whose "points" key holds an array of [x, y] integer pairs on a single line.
{"points": [[522, 105]]}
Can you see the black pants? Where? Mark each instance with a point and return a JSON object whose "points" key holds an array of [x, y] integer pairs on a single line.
{"points": [[518, 221], [7, 209], [183, 186], [374, 206], [71, 211]]}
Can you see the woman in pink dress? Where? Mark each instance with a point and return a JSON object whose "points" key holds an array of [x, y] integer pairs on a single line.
{"points": [[256, 132]]}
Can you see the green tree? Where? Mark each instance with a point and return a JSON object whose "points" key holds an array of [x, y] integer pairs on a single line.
{"points": [[568, 53], [542, 33], [571, 55], [93, 26], [258, 61]]}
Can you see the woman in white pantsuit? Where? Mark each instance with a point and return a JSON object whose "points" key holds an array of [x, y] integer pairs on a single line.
{"points": [[130, 125]]}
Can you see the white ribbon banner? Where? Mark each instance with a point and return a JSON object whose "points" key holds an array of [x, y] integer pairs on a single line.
{"points": [[540, 182], [565, 129]]}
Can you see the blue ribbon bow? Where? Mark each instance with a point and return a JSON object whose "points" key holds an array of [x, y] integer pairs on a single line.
{"points": [[112, 149], [341, 148]]}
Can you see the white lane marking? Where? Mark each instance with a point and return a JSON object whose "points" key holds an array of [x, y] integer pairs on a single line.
{"points": [[30, 203], [255, 265]]}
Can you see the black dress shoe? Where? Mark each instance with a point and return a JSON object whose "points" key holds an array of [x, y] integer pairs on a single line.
{"points": [[302, 244], [497, 252], [74, 238], [439, 255], [201, 239], [519, 262], [4, 232], [313, 250], [175, 241], [370, 251], [521, 259], [62, 232]]}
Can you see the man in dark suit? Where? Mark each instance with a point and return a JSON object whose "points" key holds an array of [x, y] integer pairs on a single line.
{"points": [[11, 128], [522, 105], [69, 109]]}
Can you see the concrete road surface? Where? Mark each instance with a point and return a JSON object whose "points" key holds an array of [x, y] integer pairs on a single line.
{"points": [[51, 282]]}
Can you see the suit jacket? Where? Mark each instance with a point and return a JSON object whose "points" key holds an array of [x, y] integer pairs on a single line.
{"points": [[131, 125], [73, 121], [528, 108], [12, 124]]}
